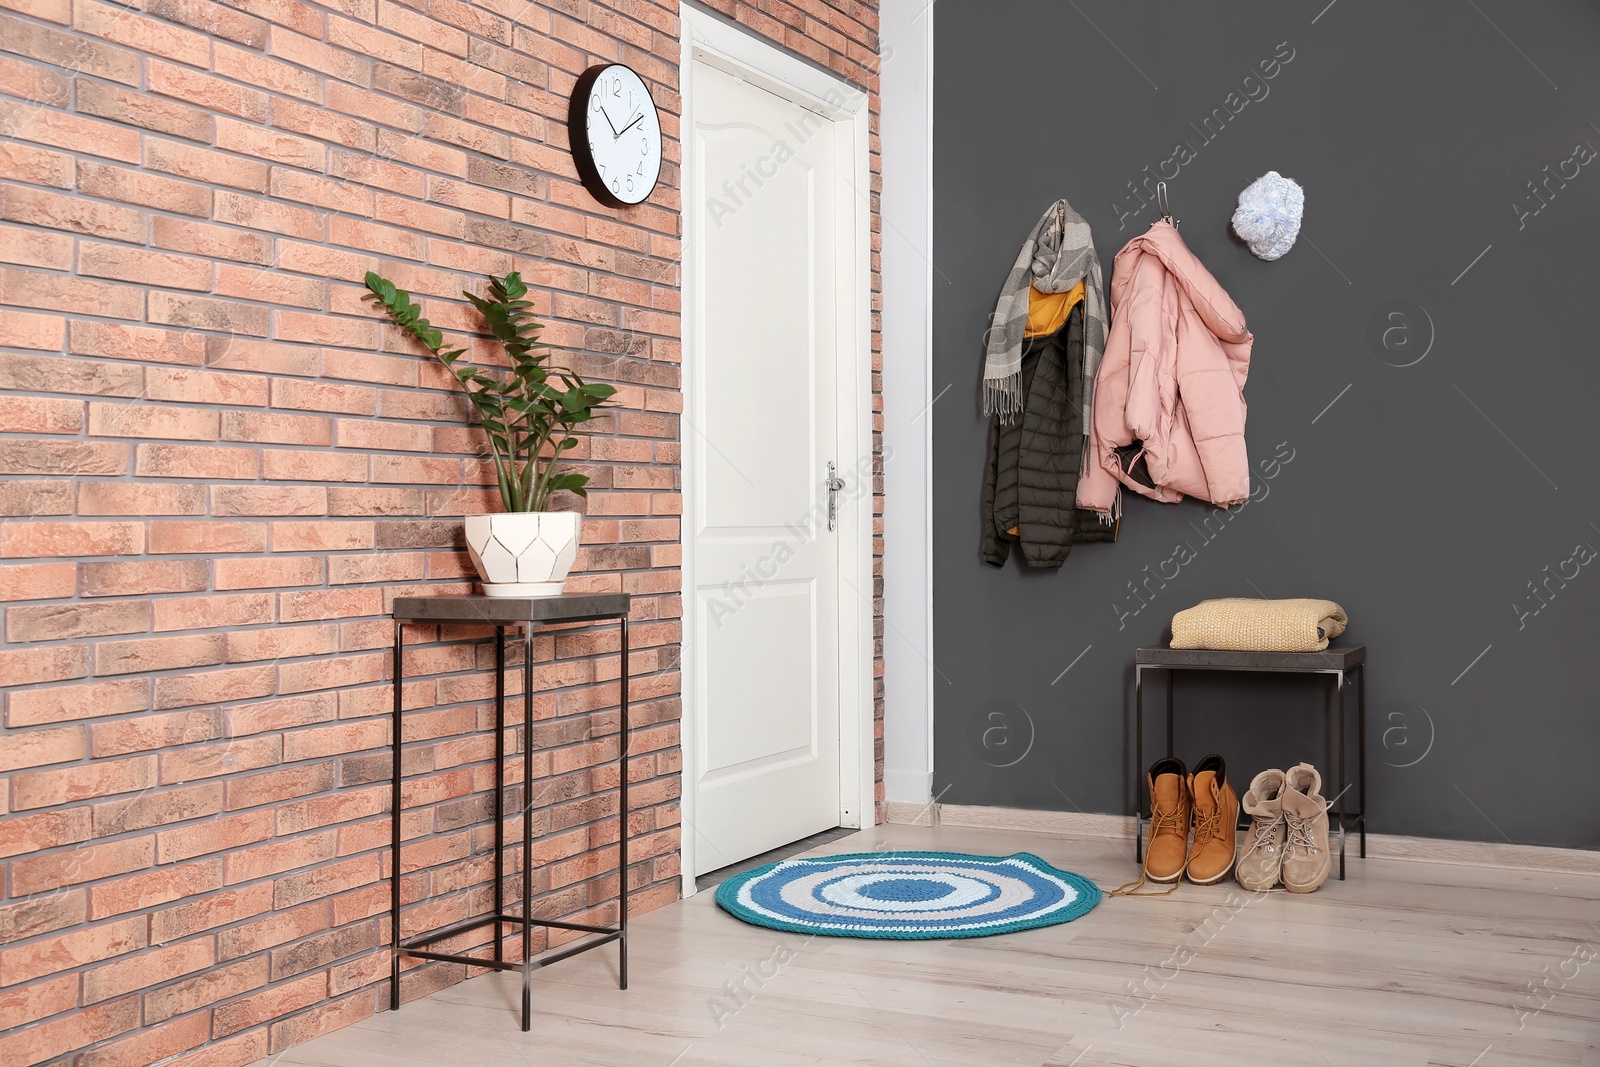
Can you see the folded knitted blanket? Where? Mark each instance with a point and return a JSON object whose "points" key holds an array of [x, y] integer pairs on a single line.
{"points": [[1237, 624]]}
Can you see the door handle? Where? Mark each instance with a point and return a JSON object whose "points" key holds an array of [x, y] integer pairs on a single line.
{"points": [[834, 484]]}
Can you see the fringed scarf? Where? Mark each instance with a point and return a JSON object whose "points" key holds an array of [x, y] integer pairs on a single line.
{"points": [[1057, 255]]}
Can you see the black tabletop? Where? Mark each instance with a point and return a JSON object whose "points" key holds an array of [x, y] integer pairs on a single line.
{"points": [[503, 609], [1334, 658]]}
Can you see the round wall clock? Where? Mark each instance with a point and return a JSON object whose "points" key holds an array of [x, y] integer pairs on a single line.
{"points": [[615, 134]]}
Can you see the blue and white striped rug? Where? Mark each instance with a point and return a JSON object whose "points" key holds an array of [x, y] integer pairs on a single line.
{"points": [[909, 895]]}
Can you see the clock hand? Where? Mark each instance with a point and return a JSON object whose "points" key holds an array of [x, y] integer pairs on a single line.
{"points": [[613, 125], [631, 125]]}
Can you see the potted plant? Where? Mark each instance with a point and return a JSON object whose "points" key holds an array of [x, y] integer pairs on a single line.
{"points": [[530, 412]]}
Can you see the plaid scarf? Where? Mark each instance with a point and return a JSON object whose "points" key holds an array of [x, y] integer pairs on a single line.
{"points": [[1057, 255]]}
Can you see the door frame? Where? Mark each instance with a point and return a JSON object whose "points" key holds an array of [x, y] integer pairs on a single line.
{"points": [[706, 38]]}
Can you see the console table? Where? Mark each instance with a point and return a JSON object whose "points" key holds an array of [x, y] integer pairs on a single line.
{"points": [[527, 613], [1336, 663]]}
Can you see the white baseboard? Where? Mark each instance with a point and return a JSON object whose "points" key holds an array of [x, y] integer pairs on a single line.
{"points": [[1379, 846]]}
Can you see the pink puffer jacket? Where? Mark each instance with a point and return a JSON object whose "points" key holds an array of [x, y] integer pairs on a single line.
{"points": [[1172, 378]]}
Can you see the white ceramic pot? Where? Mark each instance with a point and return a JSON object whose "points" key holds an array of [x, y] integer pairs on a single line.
{"points": [[523, 553]]}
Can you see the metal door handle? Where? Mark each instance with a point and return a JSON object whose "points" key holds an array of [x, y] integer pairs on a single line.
{"points": [[834, 484]]}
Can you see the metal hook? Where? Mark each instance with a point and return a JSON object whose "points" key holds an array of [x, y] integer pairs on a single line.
{"points": [[1162, 205]]}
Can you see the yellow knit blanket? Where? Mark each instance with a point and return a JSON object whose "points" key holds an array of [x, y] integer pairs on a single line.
{"points": [[1237, 624]]}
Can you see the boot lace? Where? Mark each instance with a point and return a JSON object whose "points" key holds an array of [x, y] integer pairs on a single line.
{"points": [[1159, 819], [1300, 835], [1262, 831], [1164, 818], [1208, 825]]}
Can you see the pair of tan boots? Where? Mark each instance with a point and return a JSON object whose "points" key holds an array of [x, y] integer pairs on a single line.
{"points": [[1287, 841]]}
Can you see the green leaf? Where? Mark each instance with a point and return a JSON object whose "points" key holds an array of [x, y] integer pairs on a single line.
{"points": [[572, 483]]}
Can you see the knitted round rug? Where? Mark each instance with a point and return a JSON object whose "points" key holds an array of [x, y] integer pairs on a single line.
{"points": [[909, 895]]}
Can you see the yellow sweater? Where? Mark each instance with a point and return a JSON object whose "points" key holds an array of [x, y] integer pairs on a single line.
{"points": [[1047, 312]]}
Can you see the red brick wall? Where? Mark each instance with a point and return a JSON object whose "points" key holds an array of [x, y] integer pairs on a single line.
{"points": [[219, 468]]}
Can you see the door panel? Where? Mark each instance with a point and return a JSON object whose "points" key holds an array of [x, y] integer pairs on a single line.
{"points": [[760, 334], [761, 709], [761, 426]]}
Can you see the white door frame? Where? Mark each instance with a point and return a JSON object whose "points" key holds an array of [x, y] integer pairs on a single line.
{"points": [[708, 39]]}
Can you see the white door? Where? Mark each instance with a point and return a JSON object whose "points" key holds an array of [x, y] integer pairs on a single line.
{"points": [[762, 423]]}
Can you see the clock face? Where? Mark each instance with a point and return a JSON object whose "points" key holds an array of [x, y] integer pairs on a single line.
{"points": [[616, 134]]}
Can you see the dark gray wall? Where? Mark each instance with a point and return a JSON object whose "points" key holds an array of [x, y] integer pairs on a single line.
{"points": [[1425, 499]]}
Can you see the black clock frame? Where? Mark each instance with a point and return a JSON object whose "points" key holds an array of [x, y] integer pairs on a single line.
{"points": [[578, 140]]}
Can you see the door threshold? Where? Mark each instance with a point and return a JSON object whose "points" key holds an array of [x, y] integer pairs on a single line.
{"points": [[783, 852]]}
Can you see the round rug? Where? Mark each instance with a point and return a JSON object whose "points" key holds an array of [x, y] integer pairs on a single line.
{"points": [[910, 895]]}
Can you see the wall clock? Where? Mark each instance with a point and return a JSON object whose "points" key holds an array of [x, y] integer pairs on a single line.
{"points": [[616, 134]]}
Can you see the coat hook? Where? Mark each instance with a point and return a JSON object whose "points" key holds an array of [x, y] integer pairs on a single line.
{"points": [[1163, 206]]}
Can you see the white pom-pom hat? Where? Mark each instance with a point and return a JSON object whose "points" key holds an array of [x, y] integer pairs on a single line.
{"points": [[1268, 217]]}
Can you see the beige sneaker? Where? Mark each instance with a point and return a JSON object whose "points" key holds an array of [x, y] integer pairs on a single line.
{"points": [[1261, 864], [1307, 861]]}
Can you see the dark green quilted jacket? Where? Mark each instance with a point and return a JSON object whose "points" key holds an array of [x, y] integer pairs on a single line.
{"points": [[1030, 478]]}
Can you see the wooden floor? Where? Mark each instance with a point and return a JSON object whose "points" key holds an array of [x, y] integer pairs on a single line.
{"points": [[1406, 963]]}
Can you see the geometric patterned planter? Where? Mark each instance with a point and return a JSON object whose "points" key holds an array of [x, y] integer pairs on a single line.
{"points": [[523, 553]]}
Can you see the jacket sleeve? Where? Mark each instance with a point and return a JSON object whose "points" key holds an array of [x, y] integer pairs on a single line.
{"points": [[1215, 409], [1149, 347], [995, 548], [1107, 417], [1097, 486]]}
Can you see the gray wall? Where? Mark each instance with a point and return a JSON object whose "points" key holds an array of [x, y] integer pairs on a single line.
{"points": [[1425, 499]]}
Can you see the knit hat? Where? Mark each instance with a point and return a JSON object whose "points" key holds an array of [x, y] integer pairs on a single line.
{"points": [[1268, 218]]}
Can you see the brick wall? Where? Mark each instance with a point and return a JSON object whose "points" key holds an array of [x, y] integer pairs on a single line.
{"points": [[219, 468]]}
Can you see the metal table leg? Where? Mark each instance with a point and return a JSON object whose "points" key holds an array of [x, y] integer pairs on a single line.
{"points": [[499, 789], [622, 817], [394, 832], [1171, 743], [1138, 763], [527, 830], [1343, 773], [1361, 750]]}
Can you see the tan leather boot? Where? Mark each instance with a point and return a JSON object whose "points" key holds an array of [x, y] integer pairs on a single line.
{"points": [[1307, 862], [1216, 817], [1261, 863], [1167, 850]]}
